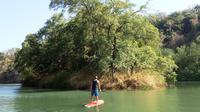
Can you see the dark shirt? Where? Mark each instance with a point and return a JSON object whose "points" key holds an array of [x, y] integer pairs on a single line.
{"points": [[95, 85]]}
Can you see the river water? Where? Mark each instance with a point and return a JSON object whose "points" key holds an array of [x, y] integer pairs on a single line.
{"points": [[185, 97]]}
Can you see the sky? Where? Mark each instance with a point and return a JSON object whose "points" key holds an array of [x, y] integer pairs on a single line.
{"points": [[21, 17]]}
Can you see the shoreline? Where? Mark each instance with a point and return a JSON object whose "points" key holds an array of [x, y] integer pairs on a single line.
{"points": [[81, 81]]}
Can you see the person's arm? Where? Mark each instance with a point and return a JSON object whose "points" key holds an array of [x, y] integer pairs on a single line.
{"points": [[99, 85]]}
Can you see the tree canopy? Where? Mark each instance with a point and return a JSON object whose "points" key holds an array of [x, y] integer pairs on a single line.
{"points": [[180, 32], [101, 38], [7, 72]]}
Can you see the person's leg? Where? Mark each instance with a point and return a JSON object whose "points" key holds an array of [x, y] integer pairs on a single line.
{"points": [[92, 94], [97, 94], [97, 98]]}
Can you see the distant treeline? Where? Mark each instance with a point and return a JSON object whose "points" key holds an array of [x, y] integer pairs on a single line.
{"points": [[7, 72], [180, 32]]}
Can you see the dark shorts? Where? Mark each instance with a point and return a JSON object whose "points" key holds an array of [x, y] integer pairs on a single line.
{"points": [[94, 93]]}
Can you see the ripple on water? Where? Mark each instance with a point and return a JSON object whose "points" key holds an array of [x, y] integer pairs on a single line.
{"points": [[7, 97], [7, 103]]}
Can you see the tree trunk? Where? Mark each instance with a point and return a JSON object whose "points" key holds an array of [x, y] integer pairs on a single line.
{"points": [[113, 57], [131, 70]]}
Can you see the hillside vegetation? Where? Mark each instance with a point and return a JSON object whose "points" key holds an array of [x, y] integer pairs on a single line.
{"points": [[180, 33], [108, 39], [7, 72]]}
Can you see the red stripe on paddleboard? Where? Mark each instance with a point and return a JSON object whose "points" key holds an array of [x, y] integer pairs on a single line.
{"points": [[94, 103]]}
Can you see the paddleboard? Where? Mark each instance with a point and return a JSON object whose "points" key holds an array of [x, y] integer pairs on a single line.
{"points": [[94, 103]]}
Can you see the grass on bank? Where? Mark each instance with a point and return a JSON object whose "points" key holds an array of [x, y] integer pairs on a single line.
{"points": [[145, 79]]}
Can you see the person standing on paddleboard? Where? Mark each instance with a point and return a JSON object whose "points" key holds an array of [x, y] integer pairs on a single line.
{"points": [[95, 86]]}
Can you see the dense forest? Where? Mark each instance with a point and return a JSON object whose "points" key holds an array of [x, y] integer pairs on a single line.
{"points": [[110, 39], [180, 33], [7, 72], [105, 38]]}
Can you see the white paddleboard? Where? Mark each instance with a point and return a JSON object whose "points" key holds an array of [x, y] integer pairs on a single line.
{"points": [[94, 103]]}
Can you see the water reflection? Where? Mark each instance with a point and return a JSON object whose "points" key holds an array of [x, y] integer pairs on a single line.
{"points": [[188, 97], [184, 98], [94, 109], [164, 100], [7, 97], [51, 101]]}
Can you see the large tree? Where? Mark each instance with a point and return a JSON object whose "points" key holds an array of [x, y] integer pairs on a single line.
{"points": [[100, 37]]}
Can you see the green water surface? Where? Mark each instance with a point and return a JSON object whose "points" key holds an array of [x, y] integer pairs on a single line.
{"points": [[183, 98]]}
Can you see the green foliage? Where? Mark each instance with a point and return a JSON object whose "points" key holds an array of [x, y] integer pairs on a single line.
{"points": [[179, 32], [168, 52], [188, 60], [166, 66], [7, 72], [100, 38], [178, 28]]}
